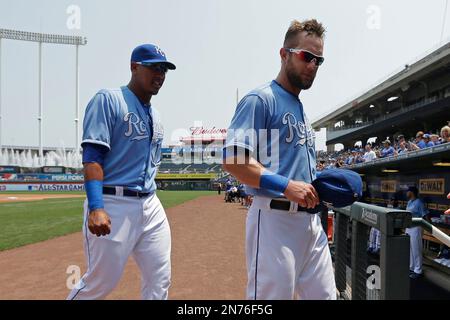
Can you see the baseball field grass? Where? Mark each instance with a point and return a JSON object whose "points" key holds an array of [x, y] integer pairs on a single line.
{"points": [[24, 223]]}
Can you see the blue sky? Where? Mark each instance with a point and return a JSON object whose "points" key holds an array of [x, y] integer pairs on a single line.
{"points": [[217, 45]]}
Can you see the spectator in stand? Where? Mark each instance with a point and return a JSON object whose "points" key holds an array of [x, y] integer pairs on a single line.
{"points": [[338, 159], [350, 159], [427, 140], [420, 143], [388, 150], [445, 134], [332, 164], [435, 139], [319, 165], [370, 154], [377, 151], [402, 148], [400, 138], [359, 157]]}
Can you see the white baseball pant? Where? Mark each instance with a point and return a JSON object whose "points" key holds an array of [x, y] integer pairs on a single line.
{"points": [[415, 251], [139, 227], [287, 255]]}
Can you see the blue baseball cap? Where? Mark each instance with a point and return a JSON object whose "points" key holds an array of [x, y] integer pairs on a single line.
{"points": [[414, 190], [148, 54], [338, 187]]}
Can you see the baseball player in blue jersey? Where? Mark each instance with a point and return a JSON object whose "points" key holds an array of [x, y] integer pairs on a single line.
{"points": [[270, 148], [122, 137]]}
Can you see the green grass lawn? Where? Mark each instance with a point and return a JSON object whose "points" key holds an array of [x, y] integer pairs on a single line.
{"points": [[23, 223]]}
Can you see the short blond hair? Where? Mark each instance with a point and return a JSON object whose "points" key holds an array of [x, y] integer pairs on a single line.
{"points": [[445, 128], [311, 27]]}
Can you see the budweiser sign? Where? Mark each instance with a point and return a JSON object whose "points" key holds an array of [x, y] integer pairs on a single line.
{"points": [[197, 131]]}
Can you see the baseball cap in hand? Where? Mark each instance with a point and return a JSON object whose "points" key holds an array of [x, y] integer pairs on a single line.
{"points": [[338, 187], [148, 54]]}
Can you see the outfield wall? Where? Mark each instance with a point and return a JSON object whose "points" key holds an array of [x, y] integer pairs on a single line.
{"points": [[31, 177], [185, 185], [42, 187], [74, 182]]}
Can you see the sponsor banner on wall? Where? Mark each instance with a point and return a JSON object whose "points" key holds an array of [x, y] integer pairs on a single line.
{"points": [[53, 169], [433, 189], [9, 169], [13, 187], [374, 187], [431, 186], [181, 176], [42, 187], [67, 177], [389, 186], [8, 176], [42, 177]]}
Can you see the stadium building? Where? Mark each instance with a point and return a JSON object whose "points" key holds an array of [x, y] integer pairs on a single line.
{"points": [[417, 97], [195, 163], [412, 100]]}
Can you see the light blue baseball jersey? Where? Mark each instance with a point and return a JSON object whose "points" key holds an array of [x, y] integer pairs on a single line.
{"points": [[115, 118], [270, 107], [417, 208]]}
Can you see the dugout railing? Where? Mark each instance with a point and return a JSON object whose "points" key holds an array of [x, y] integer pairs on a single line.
{"points": [[357, 278]]}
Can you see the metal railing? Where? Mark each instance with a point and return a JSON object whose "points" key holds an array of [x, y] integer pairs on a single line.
{"points": [[402, 110], [443, 147], [393, 277]]}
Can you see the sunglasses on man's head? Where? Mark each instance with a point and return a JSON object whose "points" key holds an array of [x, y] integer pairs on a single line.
{"points": [[158, 67], [306, 55]]}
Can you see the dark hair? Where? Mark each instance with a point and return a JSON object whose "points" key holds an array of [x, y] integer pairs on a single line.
{"points": [[414, 190]]}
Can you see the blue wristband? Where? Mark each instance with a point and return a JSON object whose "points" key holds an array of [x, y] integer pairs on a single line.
{"points": [[94, 192], [272, 181]]}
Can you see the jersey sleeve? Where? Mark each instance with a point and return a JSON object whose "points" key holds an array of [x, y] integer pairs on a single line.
{"points": [[98, 121], [94, 153], [249, 118]]}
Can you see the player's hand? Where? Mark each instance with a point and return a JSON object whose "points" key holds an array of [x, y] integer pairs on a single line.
{"points": [[99, 222], [302, 193]]}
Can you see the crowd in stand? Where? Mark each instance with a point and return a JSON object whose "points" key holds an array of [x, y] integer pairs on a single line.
{"points": [[387, 148]]}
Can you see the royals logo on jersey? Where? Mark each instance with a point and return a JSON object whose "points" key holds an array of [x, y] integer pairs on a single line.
{"points": [[136, 127], [298, 132]]}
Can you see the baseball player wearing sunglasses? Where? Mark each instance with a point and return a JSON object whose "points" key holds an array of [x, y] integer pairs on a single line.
{"points": [[123, 217], [286, 247]]}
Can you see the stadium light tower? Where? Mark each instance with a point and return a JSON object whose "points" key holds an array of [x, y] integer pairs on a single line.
{"points": [[45, 38]]}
